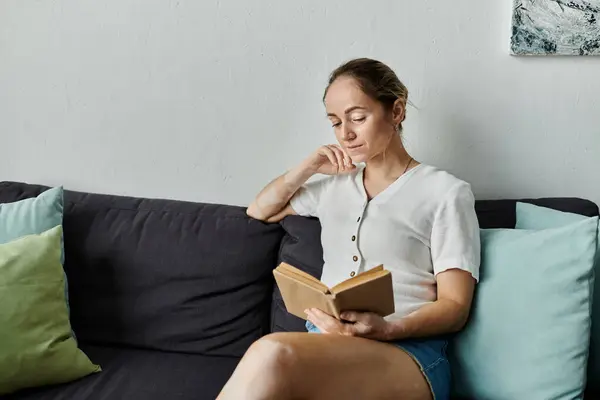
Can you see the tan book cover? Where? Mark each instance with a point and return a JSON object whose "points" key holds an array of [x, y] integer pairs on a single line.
{"points": [[368, 291]]}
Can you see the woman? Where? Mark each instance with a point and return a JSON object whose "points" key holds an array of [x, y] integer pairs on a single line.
{"points": [[416, 220]]}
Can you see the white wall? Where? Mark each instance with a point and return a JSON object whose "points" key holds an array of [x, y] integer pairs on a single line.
{"points": [[209, 100]]}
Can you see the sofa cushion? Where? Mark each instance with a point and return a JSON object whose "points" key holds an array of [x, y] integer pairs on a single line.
{"points": [[535, 217], [164, 274], [529, 328], [301, 245], [33, 215], [142, 374], [36, 347]]}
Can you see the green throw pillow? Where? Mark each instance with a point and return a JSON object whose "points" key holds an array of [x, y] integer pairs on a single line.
{"points": [[36, 346], [530, 216], [528, 334]]}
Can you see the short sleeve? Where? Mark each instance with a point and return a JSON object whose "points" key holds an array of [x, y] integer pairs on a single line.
{"points": [[455, 237], [307, 199]]}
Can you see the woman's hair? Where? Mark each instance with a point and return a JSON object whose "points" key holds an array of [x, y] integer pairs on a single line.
{"points": [[376, 80]]}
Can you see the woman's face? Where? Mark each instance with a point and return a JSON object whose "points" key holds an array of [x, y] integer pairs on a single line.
{"points": [[362, 126]]}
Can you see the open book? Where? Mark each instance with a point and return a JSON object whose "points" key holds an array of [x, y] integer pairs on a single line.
{"points": [[368, 291]]}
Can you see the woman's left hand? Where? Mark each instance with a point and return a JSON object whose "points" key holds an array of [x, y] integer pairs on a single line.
{"points": [[363, 324]]}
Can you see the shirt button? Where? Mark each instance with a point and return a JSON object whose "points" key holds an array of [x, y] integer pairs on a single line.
{"points": [[353, 238], [355, 258], [352, 273]]}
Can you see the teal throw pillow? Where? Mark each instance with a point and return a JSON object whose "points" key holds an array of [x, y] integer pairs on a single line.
{"points": [[528, 333], [31, 216], [530, 216]]}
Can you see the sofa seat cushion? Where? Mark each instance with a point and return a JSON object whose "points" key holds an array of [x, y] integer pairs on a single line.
{"points": [[141, 374]]}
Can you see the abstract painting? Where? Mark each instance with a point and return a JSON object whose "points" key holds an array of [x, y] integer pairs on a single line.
{"points": [[556, 27]]}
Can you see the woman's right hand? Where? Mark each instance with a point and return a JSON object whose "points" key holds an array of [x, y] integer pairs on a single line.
{"points": [[272, 203], [330, 160]]}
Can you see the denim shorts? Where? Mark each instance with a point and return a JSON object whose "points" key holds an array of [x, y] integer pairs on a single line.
{"points": [[430, 355]]}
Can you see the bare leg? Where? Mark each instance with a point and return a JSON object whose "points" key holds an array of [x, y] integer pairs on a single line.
{"points": [[323, 366]]}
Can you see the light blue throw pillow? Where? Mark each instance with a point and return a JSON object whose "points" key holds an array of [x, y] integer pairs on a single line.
{"points": [[530, 216], [33, 216], [528, 333]]}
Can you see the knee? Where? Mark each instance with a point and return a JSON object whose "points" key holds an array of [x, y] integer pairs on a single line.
{"points": [[275, 354], [266, 371]]}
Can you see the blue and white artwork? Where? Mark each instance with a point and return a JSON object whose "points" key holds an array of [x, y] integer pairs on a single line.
{"points": [[556, 27]]}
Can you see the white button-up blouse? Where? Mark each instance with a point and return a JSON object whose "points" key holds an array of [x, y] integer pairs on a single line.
{"points": [[422, 224]]}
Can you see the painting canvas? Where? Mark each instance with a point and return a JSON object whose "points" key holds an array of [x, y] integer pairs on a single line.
{"points": [[556, 27]]}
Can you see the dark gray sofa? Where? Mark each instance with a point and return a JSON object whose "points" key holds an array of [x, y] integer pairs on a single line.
{"points": [[167, 295]]}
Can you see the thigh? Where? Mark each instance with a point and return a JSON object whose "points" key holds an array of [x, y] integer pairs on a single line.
{"points": [[333, 366]]}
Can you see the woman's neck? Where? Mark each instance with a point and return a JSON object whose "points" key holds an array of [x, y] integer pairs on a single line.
{"points": [[390, 164]]}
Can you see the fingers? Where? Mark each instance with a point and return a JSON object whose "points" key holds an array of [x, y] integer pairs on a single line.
{"points": [[355, 316], [317, 315], [350, 316], [344, 159], [366, 324], [320, 319], [339, 157], [347, 161], [333, 159], [328, 324]]}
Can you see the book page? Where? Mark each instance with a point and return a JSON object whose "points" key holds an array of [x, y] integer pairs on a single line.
{"points": [[375, 295], [365, 276], [302, 276], [298, 295]]}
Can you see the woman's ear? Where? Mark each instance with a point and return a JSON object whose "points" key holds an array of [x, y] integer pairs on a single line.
{"points": [[398, 112]]}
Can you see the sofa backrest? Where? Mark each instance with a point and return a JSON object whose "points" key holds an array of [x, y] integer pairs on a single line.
{"points": [[301, 244], [164, 274]]}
